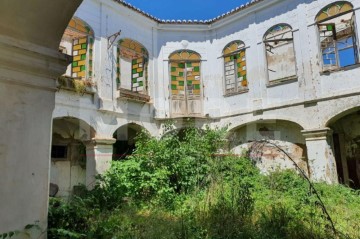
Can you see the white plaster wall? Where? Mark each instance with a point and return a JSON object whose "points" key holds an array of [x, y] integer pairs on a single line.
{"points": [[310, 101]]}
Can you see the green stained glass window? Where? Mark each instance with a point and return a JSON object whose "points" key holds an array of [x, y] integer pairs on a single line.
{"points": [[189, 82], [141, 74], [181, 73], [181, 65], [83, 56], [141, 83], [173, 87], [189, 64], [134, 61], [134, 80], [75, 64], [83, 46], [173, 77], [197, 87], [173, 69], [197, 69], [134, 71], [82, 68], [181, 83]]}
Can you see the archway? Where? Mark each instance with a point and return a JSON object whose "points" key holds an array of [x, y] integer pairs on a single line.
{"points": [[125, 140], [68, 155], [346, 138], [245, 139]]}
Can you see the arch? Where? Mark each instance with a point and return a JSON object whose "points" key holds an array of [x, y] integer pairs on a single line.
{"points": [[233, 46], [185, 55], [78, 27], [333, 10], [265, 119], [249, 138], [73, 128], [131, 66], [125, 136], [333, 118], [276, 31]]}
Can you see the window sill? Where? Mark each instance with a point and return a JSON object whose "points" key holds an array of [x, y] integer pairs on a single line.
{"points": [[237, 93], [346, 68], [282, 81], [134, 96], [69, 83]]}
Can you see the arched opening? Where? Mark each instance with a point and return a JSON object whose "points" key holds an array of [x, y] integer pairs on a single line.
{"points": [[337, 35], [280, 53], [185, 84], [132, 69], [77, 41], [235, 68], [68, 155], [346, 138], [125, 140], [284, 134]]}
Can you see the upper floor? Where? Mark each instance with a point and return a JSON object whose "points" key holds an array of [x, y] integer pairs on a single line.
{"points": [[265, 55]]}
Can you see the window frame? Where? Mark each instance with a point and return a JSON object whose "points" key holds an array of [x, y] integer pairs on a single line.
{"points": [[286, 79], [145, 65], [237, 82], [353, 35]]}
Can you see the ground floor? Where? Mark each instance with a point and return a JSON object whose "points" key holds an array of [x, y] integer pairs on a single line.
{"points": [[321, 138]]}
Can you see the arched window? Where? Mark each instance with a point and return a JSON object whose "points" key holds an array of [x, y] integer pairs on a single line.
{"points": [[78, 42], [132, 61], [280, 54], [235, 67], [336, 24], [185, 83]]}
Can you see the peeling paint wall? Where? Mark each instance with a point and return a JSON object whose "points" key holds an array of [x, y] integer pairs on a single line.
{"points": [[267, 157]]}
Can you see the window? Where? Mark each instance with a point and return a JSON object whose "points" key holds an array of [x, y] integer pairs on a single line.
{"points": [[235, 68], [280, 54], [131, 70], [185, 84], [78, 41], [336, 24], [59, 152]]}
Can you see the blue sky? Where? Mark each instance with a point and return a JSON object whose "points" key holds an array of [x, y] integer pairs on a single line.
{"points": [[186, 9]]}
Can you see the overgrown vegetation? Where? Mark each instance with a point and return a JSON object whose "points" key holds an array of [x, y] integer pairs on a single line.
{"points": [[181, 187]]}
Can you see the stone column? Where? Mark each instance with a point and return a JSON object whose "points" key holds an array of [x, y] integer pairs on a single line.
{"points": [[320, 154], [30, 33], [98, 158]]}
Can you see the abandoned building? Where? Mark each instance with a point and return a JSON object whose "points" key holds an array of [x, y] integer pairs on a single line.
{"points": [[284, 71]]}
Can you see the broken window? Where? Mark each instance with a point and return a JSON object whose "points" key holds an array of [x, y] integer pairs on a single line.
{"points": [[131, 69], [78, 41], [336, 24], [185, 84], [280, 54], [235, 67]]}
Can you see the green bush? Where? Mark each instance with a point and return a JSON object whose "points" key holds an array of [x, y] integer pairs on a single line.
{"points": [[181, 187]]}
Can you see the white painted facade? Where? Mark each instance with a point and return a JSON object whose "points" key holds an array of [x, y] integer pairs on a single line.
{"points": [[304, 115], [300, 107]]}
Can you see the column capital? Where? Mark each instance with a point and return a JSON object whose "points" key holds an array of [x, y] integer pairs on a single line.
{"points": [[100, 141], [316, 134]]}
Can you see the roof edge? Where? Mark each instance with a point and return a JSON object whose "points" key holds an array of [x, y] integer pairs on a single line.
{"points": [[189, 22]]}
